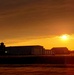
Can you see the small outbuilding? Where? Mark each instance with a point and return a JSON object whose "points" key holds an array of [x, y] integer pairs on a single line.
{"points": [[48, 52]]}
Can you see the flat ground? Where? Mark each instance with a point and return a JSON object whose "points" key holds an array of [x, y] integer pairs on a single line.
{"points": [[36, 70], [36, 59], [38, 65]]}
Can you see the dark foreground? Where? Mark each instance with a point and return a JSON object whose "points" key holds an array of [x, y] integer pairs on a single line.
{"points": [[37, 59], [36, 71], [36, 65]]}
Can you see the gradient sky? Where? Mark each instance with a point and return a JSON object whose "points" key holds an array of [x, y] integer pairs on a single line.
{"points": [[28, 22]]}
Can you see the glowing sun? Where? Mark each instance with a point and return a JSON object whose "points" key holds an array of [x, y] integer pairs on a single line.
{"points": [[64, 37]]}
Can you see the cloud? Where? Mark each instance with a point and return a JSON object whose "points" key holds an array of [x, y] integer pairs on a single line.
{"points": [[32, 18]]}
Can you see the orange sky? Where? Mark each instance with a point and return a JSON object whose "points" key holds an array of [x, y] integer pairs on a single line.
{"points": [[47, 42], [30, 22]]}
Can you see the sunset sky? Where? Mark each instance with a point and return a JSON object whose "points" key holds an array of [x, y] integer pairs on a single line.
{"points": [[37, 22]]}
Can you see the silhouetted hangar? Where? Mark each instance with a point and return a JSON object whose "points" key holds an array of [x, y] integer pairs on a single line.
{"points": [[25, 50]]}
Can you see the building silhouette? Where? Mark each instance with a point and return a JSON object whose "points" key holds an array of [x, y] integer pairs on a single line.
{"points": [[32, 50], [25, 50], [60, 50]]}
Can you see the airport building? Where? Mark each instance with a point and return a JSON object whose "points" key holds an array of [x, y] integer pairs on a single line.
{"points": [[57, 51], [60, 50], [25, 50], [31, 50], [48, 52]]}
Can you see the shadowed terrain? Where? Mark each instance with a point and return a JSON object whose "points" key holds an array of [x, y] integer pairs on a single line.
{"points": [[35, 71], [37, 59]]}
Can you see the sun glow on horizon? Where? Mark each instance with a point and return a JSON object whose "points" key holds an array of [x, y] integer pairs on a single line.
{"points": [[65, 40], [65, 37]]}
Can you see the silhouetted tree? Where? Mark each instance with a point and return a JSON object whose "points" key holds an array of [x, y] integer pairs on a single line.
{"points": [[2, 48]]}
